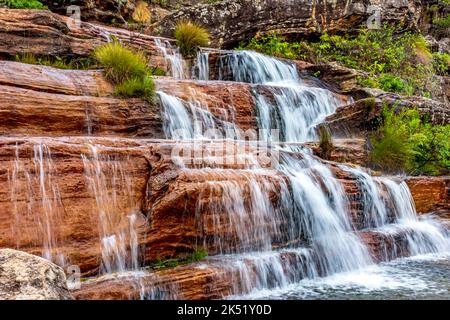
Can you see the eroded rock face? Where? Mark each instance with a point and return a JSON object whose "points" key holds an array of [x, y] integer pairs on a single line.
{"points": [[235, 20], [358, 118], [41, 32], [430, 193], [27, 277]]}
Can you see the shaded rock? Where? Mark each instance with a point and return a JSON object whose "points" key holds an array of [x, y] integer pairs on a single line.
{"points": [[430, 193], [235, 20], [27, 277]]}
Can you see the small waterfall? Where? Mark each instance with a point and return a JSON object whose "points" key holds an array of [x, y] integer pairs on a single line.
{"points": [[186, 120], [201, 70], [176, 63], [116, 209], [253, 67], [36, 197]]}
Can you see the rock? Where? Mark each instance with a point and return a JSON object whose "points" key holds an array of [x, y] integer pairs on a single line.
{"points": [[430, 194], [358, 118], [27, 277], [444, 45], [233, 21], [43, 33]]}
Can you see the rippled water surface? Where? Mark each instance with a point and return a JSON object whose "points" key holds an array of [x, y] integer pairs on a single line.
{"points": [[421, 277]]}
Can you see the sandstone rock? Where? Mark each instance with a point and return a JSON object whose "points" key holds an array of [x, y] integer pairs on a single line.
{"points": [[235, 20], [44, 33], [27, 277], [430, 194], [358, 118]]}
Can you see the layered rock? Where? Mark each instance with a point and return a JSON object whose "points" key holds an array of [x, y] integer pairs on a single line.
{"points": [[358, 118], [290, 18], [27, 277], [43, 33]]}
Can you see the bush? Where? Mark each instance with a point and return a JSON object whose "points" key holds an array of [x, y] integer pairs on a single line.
{"points": [[405, 142], [141, 14], [22, 4], [326, 143], [121, 63], [128, 70], [137, 87], [395, 61], [190, 37]]}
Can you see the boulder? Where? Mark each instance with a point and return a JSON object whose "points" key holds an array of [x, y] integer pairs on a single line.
{"points": [[27, 277]]}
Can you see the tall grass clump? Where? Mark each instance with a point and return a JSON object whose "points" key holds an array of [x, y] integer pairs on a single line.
{"points": [[126, 69], [190, 37], [405, 142]]}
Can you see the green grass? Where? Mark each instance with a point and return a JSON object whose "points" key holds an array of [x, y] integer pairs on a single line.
{"points": [[196, 256], [190, 37], [127, 69], [22, 4], [394, 61], [78, 63], [407, 143], [120, 63]]}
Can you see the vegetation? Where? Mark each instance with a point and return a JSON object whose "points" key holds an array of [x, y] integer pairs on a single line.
{"points": [[326, 143], [190, 37], [22, 4], [397, 62], [141, 14], [128, 70], [196, 256], [56, 62], [405, 142]]}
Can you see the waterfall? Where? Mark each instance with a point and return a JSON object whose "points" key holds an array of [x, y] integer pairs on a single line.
{"points": [[35, 197], [116, 209], [177, 65]]}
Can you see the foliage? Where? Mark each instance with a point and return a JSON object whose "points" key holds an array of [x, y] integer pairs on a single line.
{"points": [[56, 62], [405, 142], [196, 256], [22, 4], [190, 37], [394, 61], [326, 143], [141, 14], [136, 87], [127, 69], [441, 63]]}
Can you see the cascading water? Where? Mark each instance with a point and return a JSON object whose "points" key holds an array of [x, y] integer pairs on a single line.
{"points": [[36, 197], [117, 211], [311, 213], [176, 64]]}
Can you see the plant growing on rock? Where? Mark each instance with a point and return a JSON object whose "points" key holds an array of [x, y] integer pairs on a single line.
{"points": [[406, 142], [127, 69], [141, 14], [190, 37], [325, 143], [22, 4]]}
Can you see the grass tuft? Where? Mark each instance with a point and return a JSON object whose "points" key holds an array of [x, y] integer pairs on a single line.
{"points": [[190, 37]]}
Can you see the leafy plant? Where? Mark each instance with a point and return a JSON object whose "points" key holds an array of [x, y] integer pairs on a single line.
{"points": [[196, 256], [22, 4], [190, 37], [406, 142], [395, 61]]}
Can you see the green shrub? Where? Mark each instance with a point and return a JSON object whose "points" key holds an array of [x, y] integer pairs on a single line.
{"points": [[325, 143], [136, 87], [121, 63], [22, 4], [190, 37], [127, 69], [441, 62], [395, 61], [405, 142], [196, 256]]}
